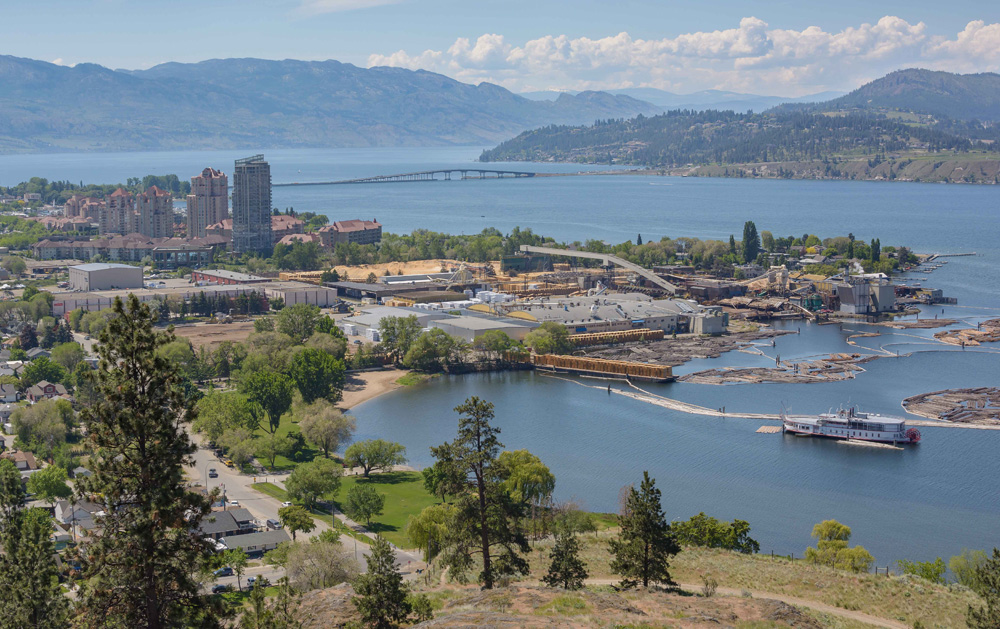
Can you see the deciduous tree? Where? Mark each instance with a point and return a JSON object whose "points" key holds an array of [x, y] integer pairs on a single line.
{"points": [[295, 518], [311, 481], [49, 484], [317, 375], [272, 392], [374, 454], [363, 503], [325, 426], [298, 321]]}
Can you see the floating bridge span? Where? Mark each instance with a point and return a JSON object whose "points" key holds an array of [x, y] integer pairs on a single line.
{"points": [[425, 175]]}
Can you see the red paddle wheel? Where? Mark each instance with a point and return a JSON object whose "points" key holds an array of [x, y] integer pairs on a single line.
{"points": [[913, 435]]}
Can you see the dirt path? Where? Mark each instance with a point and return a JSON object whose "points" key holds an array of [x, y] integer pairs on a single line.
{"points": [[875, 621], [366, 385]]}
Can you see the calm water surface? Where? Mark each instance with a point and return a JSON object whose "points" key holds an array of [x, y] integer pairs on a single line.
{"points": [[927, 501]]}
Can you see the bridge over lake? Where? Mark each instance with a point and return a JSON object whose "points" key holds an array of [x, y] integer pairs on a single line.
{"points": [[425, 175]]}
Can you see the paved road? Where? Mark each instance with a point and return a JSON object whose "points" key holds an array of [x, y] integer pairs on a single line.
{"points": [[237, 486]]}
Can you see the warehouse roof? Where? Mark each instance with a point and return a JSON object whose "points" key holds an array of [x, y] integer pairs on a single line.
{"points": [[102, 266], [481, 323]]}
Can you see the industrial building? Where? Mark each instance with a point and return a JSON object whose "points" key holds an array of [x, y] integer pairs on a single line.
{"points": [[90, 277], [291, 292], [471, 328], [216, 276], [612, 313]]}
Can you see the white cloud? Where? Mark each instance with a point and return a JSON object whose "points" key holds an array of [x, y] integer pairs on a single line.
{"points": [[751, 57], [317, 7]]}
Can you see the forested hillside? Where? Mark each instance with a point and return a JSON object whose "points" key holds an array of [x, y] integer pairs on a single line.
{"points": [[678, 138]]}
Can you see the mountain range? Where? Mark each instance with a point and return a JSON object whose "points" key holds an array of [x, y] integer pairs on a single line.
{"points": [[256, 103], [700, 101]]}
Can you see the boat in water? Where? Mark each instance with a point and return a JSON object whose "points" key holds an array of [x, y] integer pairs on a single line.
{"points": [[849, 424]]}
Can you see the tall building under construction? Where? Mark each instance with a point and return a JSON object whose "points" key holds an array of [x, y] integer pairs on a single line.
{"points": [[252, 206]]}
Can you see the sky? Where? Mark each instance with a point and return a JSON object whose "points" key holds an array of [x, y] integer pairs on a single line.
{"points": [[775, 47]]}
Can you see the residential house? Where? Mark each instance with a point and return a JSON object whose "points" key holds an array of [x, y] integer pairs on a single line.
{"points": [[6, 410], [24, 461], [35, 352], [256, 543], [45, 390], [8, 394], [80, 515], [219, 524]]}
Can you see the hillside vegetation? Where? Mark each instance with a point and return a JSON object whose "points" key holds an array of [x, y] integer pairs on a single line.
{"points": [[943, 94], [750, 593]]}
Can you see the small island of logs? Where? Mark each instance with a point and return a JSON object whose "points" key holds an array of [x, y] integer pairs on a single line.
{"points": [[962, 406]]}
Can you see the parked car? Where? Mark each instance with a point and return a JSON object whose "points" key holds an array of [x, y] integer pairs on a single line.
{"points": [[251, 581], [234, 503], [273, 525], [219, 589], [224, 572], [212, 473], [286, 504]]}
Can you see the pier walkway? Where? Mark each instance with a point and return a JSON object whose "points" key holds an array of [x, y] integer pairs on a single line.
{"points": [[694, 409]]}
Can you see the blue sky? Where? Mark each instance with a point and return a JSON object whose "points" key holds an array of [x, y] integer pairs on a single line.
{"points": [[778, 47]]}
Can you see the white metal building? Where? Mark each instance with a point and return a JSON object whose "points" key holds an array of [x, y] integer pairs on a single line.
{"points": [[470, 328], [101, 276]]}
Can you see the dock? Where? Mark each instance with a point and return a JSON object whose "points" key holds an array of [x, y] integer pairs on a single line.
{"points": [[600, 367], [769, 430]]}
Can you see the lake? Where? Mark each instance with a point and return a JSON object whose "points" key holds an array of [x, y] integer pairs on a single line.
{"points": [[926, 501]]}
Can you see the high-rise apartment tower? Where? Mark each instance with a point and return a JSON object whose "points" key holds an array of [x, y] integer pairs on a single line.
{"points": [[155, 209], [208, 202], [252, 206]]}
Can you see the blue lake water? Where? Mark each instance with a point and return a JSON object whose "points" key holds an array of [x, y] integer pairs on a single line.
{"points": [[927, 501]]}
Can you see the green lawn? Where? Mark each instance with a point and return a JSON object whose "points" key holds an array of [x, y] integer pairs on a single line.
{"points": [[281, 462], [404, 496], [412, 378], [318, 514]]}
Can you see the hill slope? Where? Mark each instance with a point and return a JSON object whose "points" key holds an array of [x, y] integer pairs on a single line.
{"points": [[958, 96], [229, 103]]}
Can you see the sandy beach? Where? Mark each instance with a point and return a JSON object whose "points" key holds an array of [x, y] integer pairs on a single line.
{"points": [[366, 385]]}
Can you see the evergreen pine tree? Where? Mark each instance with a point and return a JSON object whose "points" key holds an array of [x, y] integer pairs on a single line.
{"points": [[381, 599], [988, 587], [32, 596], [751, 242], [27, 339], [638, 241], [485, 515], [567, 570], [140, 568], [732, 244], [646, 543]]}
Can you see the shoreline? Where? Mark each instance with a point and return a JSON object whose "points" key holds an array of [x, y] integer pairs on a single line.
{"points": [[368, 385]]}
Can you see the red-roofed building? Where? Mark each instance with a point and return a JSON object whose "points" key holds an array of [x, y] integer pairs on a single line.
{"points": [[291, 239], [281, 226], [359, 231]]}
